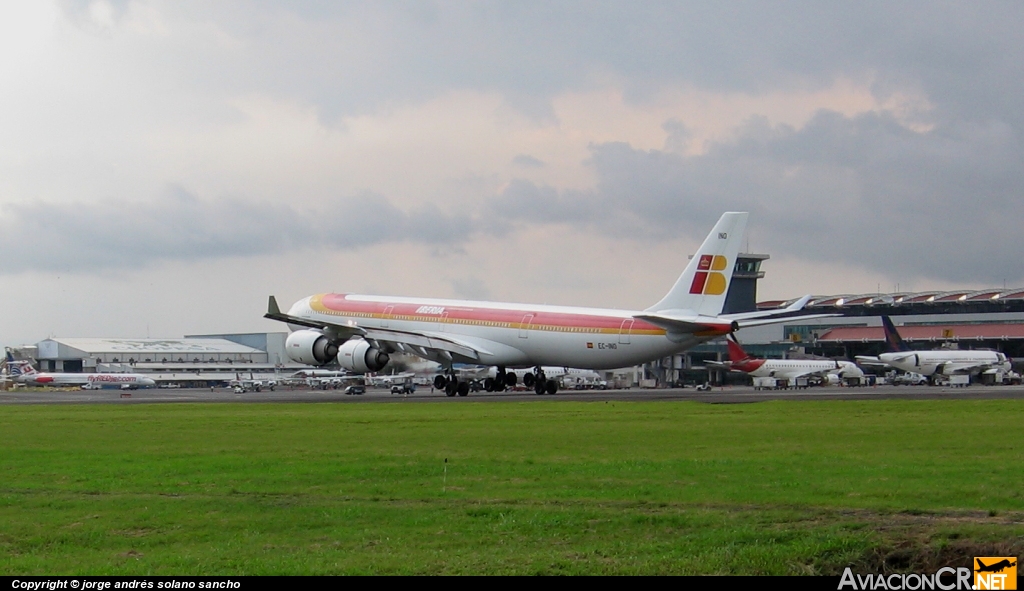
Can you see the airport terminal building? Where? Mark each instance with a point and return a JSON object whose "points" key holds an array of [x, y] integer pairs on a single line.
{"points": [[966, 319]]}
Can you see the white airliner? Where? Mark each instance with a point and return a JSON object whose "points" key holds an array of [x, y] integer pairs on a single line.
{"points": [[361, 331], [788, 369], [319, 373], [945, 362], [23, 372], [394, 379]]}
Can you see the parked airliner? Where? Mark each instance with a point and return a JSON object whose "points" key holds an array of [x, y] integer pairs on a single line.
{"points": [[931, 363], [361, 331], [788, 369], [22, 372]]}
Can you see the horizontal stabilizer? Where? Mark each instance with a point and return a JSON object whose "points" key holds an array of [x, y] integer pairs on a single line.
{"points": [[687, 323], [794, 307], [763, 317], [765, 321]]}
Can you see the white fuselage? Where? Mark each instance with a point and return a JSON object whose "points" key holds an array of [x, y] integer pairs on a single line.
{"points": [[794, 368], [511, 335], [94, 380], [948, 362]]}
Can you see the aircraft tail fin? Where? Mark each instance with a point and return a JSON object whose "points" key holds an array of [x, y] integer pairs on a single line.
{"points": [[736, 352], [20, 368], [893, 340], [704, 284]]}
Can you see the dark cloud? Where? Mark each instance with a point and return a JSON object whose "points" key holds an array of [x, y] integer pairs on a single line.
{"points": [[945, 204], [178, 225], [524, 201], [867, 189]]}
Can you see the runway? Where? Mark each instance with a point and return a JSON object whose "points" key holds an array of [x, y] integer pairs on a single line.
{"points": [[724, 395]]}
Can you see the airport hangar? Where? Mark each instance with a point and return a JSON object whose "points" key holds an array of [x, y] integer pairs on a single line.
{"points": [[192, 361], [982, 319]]}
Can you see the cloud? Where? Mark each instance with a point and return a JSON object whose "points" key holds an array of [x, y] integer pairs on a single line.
{"points": [[470, 287], [350, 59], [864, 190], [915, 170], [85, 237], [527, 161]]}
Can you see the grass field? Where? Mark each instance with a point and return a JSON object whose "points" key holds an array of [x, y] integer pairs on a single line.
{"points": [[618, 487]]}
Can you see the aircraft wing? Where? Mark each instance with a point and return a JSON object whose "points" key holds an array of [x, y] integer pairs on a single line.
{"points": [[421, 344]]}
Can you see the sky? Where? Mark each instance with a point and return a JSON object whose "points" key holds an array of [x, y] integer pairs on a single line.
{"points": [[165, 166]]}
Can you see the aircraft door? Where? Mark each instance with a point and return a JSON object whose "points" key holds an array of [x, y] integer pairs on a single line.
{"points": [[524, 326], [442, 322], [386, 317], [624, 330]]}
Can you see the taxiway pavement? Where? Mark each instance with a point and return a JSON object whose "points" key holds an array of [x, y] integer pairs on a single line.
{"points": [[724, 395]]}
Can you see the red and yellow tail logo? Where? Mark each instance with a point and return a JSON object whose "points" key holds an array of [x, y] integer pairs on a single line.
{"points": [[707, 281], [995, 572]]}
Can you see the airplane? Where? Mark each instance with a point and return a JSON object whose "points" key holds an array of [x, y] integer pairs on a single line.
{"points": [[23, 372], [995, 566], [944, 362], [390, 379], [251, 384], [315, 378], [786, 369], [362, 331], [318, 374]]}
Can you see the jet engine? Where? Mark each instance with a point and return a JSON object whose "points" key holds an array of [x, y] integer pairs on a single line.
{"points": [[358, 356], [310, 347]]}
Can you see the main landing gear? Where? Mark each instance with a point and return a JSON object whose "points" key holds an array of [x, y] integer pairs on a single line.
{"points": [[502, 381], [451, 384], [539, 382]]}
